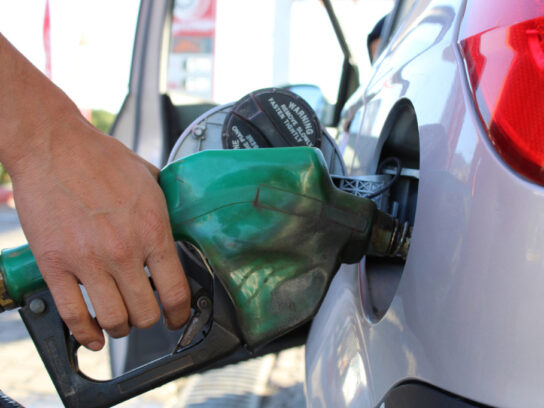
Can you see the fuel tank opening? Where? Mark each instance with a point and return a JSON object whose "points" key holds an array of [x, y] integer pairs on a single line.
{"points": [[380, 276]]}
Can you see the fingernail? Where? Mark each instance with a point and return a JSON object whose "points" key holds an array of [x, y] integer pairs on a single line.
{"points": [[94, 345], [168, 324]]}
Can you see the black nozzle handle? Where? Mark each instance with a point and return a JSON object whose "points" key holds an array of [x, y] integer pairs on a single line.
{"points": [[58, 350]]}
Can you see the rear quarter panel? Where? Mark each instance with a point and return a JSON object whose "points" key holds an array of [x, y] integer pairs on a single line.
{"points": [[466, 314]]}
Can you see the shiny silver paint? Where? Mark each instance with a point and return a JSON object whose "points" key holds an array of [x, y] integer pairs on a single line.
{"points": [[467, 314]]}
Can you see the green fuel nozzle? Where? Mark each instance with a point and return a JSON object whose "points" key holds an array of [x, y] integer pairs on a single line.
{"points": [[274, 229], [270, 223]]}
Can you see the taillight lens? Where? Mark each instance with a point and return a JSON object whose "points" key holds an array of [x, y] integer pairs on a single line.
{"points": [[504, 56]]}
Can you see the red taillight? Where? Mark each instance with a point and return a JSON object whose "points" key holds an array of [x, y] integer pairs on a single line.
{"points": [[505, 67]]}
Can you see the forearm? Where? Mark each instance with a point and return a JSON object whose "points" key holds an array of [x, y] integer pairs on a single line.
{"points": [[29, 103]]}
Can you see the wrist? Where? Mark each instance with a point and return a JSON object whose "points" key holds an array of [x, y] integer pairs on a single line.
{"points": [[31, 142], [31, 108]]}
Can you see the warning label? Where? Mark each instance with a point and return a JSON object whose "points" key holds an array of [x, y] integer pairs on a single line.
{"points": [[295, 119], [242, 141]]}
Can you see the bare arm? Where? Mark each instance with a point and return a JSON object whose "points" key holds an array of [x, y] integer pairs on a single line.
{"points": [[90, 208]]}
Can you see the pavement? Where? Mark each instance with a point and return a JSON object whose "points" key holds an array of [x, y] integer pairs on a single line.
{"points": [[271, 381]]}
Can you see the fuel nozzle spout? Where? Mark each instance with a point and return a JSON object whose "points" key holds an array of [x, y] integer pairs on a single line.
{"points": [[390, 237]]}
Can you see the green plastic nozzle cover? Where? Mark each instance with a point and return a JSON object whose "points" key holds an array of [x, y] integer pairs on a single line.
{"points": [[19, 275], [270, 222], [273, 227]]}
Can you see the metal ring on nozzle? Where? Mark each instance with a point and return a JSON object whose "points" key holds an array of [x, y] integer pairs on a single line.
{"points": [[6, 302], [403, 243], [390, 237]]}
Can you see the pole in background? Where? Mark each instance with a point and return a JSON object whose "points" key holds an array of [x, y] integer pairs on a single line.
{"points": [[47, 40]]}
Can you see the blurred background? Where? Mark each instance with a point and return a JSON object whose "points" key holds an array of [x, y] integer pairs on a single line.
{"points": [[85, 47]]}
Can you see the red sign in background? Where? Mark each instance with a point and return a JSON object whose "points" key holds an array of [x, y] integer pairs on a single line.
{"points": [[194, 18]]}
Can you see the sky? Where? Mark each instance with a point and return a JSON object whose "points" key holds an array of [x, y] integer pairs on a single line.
{"points": [[91, 45]]}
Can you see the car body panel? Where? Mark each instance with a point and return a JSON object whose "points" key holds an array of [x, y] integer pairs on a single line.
{"points": [[465, 317]]}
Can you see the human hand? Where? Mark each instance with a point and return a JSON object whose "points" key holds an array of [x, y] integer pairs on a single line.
{"points": [[91, 209], [94, 214]]}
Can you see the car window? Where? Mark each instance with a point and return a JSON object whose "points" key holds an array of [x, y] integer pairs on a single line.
{"points": [[400, 12], [219, 50]]}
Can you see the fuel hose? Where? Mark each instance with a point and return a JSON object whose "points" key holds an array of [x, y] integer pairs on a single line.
{"points": [[7, 402]]}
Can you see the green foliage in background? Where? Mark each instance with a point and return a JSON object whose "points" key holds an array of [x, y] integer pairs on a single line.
{"points": [[102, 119], [4, 177]]}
